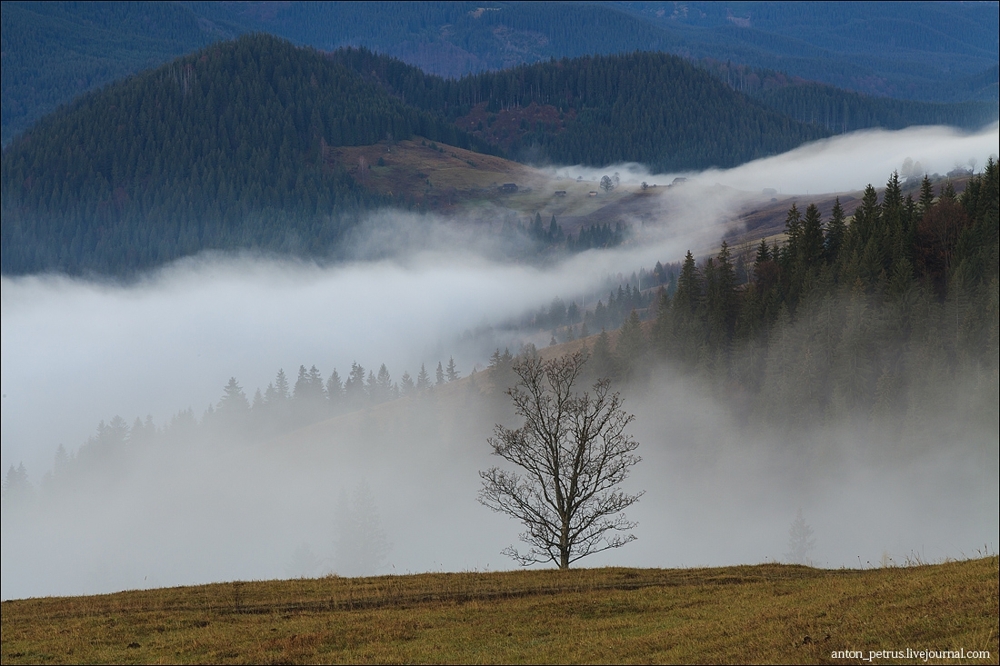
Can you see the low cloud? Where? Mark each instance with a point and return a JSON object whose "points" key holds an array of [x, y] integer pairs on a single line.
{"points": [[77, 351]]}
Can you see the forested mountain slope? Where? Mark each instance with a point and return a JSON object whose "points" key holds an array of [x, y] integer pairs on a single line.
{"points": [[942, 52], [234, 147], [224, 149], [652, 108], [840, 110], [927, 51], [54, 51], [909, 50]]}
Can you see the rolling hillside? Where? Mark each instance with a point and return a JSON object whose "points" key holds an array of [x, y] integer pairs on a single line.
{"points": [[749, 614]]}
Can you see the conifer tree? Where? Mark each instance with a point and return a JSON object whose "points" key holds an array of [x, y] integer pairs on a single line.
{"points": [[835, 233], [382, 389], [281, 386], [763, 254], [812, 238], [17, 489], [603, 362], [721, 298], [406, 385], [688, 293], [791, 251], [234, 401], [334, 389], [61, 463], [423, 379], [926, 195], [355, 392]]}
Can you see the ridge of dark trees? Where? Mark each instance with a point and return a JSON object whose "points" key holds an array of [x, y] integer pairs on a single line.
{"points": [[653, 108], [232, 148], [226, 149], [841, 111], [860, 316], [923, 51]]}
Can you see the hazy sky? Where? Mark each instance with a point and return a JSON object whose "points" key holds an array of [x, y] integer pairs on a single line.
{"points": [[75, 351]]}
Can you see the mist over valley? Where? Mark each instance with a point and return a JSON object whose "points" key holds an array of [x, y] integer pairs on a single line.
{"points": [[274, 276], [219, 501]]}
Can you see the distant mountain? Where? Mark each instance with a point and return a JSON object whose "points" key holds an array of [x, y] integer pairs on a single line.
{"points": [[54, 51], [842, 111], [228, 148], [237, 146], [905, 50], [940, 52], [652, 108]]}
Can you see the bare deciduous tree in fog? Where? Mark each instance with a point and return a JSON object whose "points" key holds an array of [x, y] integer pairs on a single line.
{"points": [[575, 455]]}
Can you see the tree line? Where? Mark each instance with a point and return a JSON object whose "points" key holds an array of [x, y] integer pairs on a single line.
{"points": [[231, 147], [868, 316], [653, 108], [281, 407]]}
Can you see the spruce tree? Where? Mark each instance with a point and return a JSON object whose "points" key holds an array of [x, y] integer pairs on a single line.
{"points": [[334, 390], [790, 253], [423, 379], [926, 195], [603, 363], [406, 385], [234, 401], [354, 386], [835, 233], [281, 386], [812, 238], [688, 293]]}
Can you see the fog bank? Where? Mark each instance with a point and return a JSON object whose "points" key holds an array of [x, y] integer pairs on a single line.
{"points": [[216, 507]]}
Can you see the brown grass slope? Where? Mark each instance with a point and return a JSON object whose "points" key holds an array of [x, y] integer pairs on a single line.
{"points": [[453, 181], [766, 614]]}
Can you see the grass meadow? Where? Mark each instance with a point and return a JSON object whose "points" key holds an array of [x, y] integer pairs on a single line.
{"points": [[768, 613]]}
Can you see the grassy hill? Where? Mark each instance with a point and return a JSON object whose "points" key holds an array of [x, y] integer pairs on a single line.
{"points": [[455, 181], [743, 614]]}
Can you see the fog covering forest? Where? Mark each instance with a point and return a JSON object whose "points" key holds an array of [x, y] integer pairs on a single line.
{"points": [[848, 374]]}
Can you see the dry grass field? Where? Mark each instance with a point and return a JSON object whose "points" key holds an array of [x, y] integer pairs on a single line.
{"points": [[764, 614], [452, 180]]}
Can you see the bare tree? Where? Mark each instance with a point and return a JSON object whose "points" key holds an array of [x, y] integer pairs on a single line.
{"points": [[574, 454]]}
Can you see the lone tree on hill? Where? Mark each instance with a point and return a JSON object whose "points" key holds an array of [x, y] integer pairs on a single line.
{"points": [[574, 453]]}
